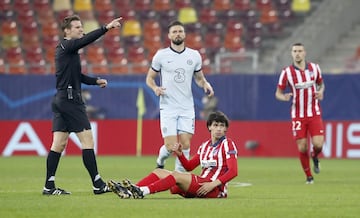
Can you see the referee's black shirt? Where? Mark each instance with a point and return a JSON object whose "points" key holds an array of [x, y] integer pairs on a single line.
{"points": [[68, 64]]}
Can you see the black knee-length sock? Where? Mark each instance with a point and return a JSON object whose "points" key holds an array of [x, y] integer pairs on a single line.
{"points": [[52, 163], [89, 160]]}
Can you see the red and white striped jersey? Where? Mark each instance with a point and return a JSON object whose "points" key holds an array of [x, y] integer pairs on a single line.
{"points": [[303, 85], [215, 158], [218, 161]]}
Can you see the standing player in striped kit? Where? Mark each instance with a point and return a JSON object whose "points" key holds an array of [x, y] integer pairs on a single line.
{"points": [[307, 88], [216, 156], [177, 66]]}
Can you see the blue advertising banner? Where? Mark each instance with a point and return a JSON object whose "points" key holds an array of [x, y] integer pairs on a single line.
{"points": [[241, 97]]}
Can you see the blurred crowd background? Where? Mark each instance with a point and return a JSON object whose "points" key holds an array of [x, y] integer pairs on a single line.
{"points": [[233, 36]]}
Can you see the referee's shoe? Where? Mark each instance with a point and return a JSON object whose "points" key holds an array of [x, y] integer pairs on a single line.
{"points": [[103, 189], [55, 191]]}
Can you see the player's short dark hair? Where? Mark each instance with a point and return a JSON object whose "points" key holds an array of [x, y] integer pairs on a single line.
{"points": [[297, 44], [66, 23], [217, 116], [175, 23]]}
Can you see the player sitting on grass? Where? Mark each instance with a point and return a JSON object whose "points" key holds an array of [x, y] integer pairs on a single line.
{"points": [[216, 156]]}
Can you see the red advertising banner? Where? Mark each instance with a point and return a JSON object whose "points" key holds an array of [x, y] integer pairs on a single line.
{"points": [[122, 137]]}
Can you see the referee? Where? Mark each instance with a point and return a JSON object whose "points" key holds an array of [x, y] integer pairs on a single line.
{"points": [[69, 113]]}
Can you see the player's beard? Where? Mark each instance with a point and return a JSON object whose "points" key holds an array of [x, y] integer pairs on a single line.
{"points": [[178, 41]]}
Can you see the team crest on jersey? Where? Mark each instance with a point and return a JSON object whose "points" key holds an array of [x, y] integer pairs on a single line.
{"points": [[311, 73], [189, 62], [215, 151]]}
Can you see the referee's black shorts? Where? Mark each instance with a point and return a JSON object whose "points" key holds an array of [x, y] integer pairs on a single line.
{"points": [[69, 114]]}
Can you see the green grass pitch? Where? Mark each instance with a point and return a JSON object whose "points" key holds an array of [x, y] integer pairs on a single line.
{"points": [[265, 187]]}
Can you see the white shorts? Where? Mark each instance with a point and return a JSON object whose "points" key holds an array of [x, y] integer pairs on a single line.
{"points": [[174, 124]]}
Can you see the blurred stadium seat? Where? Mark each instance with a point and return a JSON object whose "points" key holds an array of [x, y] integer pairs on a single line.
{"points": [[194, 40], [263, 5], [301, 6], [151, 28], [22, 5], [95, 54], [5, 5], [102, 5], [233, 43], [112, 42], [234, 27], [131, 41], [46, 17], [34, 54], [115, 55], [194, 28], [222, 5], [161, 5], [105, 16], [152, 45], [90, 25], [207, 16], [26, 17], [17, 67], [136, 54], [9, 28], [182, 4], [38, 67], [50, 29], [9, 35], [283, 5], [29, 42], [140, 67], [165, 17], [13, 56], [9, 41], [50, 42], [131, 28], [199, 4], [142, 5], [121, 6], [82, 5], [61, 5], [60, 15], [241, 5], [187, 15], [225, 16], [269, 16], [120, 66], [97, 62], [42, 5], [118, 63]]}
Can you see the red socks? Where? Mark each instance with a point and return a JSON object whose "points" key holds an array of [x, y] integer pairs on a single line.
{"points": [[151, 178], [162, 184], [305, 163]]}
